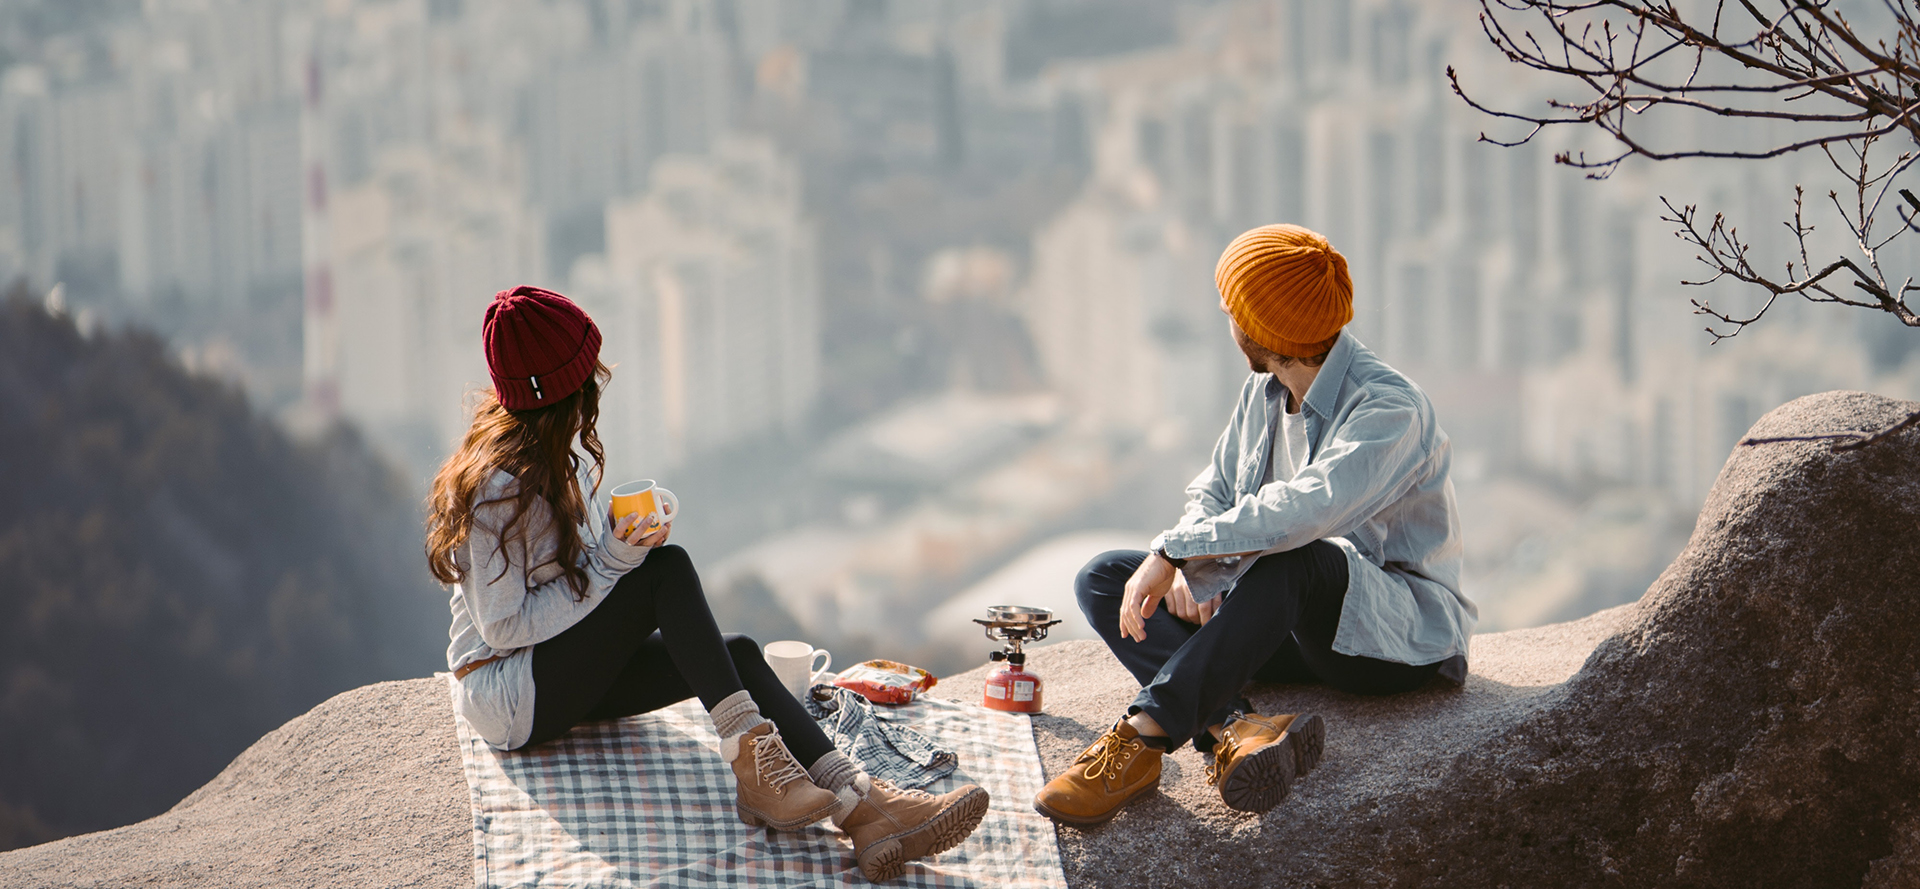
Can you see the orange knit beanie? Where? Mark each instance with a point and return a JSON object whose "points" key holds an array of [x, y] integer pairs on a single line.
{"points": [[1287, 288]]}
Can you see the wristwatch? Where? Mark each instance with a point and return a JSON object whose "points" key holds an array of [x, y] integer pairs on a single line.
{"points": [[1161, 551]]}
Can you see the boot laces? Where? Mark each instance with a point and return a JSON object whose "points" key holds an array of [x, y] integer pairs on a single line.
{"points": [[1222, 754], [775, 766], [1108, 755], [1224, 748]]}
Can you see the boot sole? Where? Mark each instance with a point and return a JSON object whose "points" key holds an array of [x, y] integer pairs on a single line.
{"points": [[886, 858], [752, 818], [1309, 734], [1095, 820], [1266, 776]]}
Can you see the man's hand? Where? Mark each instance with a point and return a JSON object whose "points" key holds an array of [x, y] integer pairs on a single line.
{"points": [[1180, 602], [1148, 585]]}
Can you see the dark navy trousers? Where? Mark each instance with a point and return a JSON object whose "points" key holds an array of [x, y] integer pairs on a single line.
{"points": [[1276, 625]]}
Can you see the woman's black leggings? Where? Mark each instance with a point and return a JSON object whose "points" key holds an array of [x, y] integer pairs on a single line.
{"points": [[650, 643]]}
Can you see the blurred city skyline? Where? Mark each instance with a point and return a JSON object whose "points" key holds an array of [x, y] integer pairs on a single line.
{"points": [[904, 295]]}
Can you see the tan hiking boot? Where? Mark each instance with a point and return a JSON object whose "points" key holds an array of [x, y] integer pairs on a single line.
{"points": [[772, 789], [1258, 758], [1118, 767], [891, 826]]}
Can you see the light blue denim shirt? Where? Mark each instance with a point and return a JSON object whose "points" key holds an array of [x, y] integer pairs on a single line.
{"points": [[1375, 484]]}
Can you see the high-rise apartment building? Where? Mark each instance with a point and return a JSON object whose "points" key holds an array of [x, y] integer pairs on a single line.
{"points": [[419, 249], [708, 298]]}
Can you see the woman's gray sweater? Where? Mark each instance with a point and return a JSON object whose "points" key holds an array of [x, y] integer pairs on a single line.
{"points": [[504, 608]]}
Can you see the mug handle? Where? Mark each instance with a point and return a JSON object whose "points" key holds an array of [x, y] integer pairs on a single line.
{"points": [[814, 673], [662, 496]]}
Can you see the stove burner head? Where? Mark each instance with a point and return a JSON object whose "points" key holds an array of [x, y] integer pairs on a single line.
{"points": [[1015, 624], [1019, 614]]}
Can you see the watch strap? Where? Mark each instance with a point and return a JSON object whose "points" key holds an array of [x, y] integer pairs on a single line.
{"points": [[1161, 551]]}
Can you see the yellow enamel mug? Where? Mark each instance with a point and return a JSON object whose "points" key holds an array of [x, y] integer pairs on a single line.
{"points": [[646, 498]]}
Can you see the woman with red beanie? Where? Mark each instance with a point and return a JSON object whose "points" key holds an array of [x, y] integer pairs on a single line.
{"points": [[561, 615]]}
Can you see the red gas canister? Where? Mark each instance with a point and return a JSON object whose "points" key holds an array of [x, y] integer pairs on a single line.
{"points": [[1012, 688]]}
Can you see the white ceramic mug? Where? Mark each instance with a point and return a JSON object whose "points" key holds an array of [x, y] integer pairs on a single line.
{"points": [[793, 661]]}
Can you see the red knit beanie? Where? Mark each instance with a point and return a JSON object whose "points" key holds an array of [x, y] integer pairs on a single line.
{"points": [[540, 347]]}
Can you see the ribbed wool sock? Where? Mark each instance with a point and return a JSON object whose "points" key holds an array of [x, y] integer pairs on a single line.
{"points": [[735, 714], [833, 770]]}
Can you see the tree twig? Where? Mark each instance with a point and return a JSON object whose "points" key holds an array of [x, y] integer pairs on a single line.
{"points": [[1843, 441]]}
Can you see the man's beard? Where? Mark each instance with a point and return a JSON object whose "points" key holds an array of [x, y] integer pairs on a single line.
{"points": [[1256, 356], [1259, 358], [1243, 342], [1254, 362]]}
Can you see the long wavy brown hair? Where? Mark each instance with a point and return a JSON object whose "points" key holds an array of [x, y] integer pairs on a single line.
{"points": [[536, 447]]}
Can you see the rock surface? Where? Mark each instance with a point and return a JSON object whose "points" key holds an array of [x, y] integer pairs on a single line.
{"points": [[1378, 750], [1757, 724], [364, 790], [1754, 720]]}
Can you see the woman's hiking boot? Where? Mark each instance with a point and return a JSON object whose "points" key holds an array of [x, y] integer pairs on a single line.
{"points": [[1118, 767], [772, 789], [891, 825], [1258, 758]]}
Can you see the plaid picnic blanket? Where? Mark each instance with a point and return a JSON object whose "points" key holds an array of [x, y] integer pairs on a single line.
{"points": [[646, 802]]}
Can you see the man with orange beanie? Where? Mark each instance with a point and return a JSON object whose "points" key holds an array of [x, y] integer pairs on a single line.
{"points": [[1321, 545]]}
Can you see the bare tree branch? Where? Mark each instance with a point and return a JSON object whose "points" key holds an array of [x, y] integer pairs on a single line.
{"points": [[1844, 91], [1844, 441]]}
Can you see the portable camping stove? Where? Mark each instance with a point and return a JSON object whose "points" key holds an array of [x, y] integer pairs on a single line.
{"points": [[1011, 687]]}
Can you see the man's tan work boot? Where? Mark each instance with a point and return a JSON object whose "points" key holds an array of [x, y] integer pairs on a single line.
{"points": [[1118, 767], [891, 826], [1257, 758], [773, 790]]}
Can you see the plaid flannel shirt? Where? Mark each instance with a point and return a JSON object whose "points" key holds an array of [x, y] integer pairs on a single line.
{"points": [[896, 753]]}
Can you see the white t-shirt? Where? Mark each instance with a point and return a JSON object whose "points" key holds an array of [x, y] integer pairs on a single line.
{"points": [[1289, 447]]}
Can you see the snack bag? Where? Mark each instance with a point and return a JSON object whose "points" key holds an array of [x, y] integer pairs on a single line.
{"points": [[886, 682]]}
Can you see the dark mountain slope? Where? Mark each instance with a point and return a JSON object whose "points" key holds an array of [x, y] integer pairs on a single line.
{"points": [[176, 576]]}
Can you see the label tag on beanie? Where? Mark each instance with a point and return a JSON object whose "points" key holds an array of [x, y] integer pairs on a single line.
{"points": [[536, 388]]}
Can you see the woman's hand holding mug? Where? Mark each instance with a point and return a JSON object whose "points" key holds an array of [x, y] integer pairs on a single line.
{"points": [[644, 512], [641, 530]]}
